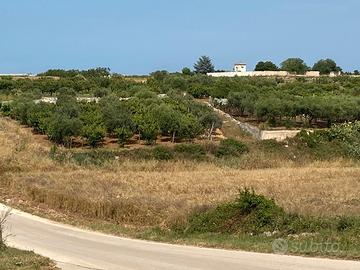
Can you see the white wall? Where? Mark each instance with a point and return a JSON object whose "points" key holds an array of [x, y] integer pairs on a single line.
{"points": [[262, 74]]}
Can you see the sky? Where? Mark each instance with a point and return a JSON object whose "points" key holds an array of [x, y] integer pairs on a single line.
{"points": [[139, 37]]}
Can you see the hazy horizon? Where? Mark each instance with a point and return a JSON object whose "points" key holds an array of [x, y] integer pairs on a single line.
{"points": [[138, 37]]}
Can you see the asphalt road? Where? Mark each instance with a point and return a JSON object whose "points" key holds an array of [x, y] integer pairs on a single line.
{"points": [[73, 248]]}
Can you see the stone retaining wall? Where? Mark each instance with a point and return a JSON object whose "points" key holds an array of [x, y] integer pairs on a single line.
{"points": [[257, 133]]}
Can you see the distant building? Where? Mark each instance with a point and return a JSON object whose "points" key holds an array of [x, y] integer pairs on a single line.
{"points": [[240, 67], [240, 70]]}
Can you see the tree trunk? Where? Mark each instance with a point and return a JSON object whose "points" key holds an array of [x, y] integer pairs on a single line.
{"points": [[211, 131], [173, 137], [1, 237]]}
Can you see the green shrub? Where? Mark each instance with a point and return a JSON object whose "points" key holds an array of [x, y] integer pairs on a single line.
{"points": [[162, 153], [271, 146], [5, 108], [347, 223], [249, 212], [190, 151], [123, 134], [231, 147], [94, 134], [311, 139]]}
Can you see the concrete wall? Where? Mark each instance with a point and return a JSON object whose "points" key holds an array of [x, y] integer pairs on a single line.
{"points": [[252, 130], [278, 135], [257, 133], [312, 74]]}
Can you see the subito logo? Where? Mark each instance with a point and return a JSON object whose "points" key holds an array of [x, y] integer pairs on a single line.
{"points": [[280, 246]]}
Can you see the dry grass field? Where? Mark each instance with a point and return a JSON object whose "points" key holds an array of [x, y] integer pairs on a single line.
{"points": [[162, 193]]}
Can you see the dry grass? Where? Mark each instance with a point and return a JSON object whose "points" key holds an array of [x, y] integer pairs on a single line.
{"points": [[163, 193]]}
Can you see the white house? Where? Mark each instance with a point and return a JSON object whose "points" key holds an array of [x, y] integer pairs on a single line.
{"points": [[240, 67], [240, 70]]}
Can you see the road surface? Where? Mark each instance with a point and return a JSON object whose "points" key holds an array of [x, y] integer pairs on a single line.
{"points": [[73, 248]]}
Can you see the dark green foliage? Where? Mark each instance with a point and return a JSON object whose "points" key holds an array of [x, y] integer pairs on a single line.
{"points": [[255, 214], [210, 121], [266, 66], [231, 148], [248, 213], [186, 71], [100, 157], [93, 133], [93, 129], [294, 65], [162, 153], [5, 108], [296, 104], [311, 139], [101, 92], [204, 65], [190, 151], [123, 134], [325, 66], [62, 129], [339, 140], [147, 126], [115, 114], [96, 72], [38, 117]]}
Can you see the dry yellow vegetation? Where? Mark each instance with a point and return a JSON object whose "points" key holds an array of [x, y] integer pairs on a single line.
{"points": [[162, 193]]}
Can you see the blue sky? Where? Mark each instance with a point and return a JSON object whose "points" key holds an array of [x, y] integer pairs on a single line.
{"points": [[138, 37]]}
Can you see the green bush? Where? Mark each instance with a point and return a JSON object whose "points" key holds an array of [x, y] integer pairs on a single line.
{"points": [[190, 151], [123, 134], [231, 147], [162, 153], [5, 108], [249, 212], [311, 139], [256, 214]]}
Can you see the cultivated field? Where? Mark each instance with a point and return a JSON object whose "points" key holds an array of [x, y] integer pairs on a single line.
{"points": [[145, 193]]}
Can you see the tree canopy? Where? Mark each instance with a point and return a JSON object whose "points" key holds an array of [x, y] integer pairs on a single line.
{"points": [[294, 65], [266, 66], [326, 66], [204, 65]]}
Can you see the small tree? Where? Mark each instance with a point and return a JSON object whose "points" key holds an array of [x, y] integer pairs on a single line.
{"points": [[168, 120], [210, 122], [204, 65], [123, 134], [94, 134], [147, 126], [93, 128], [294, 65], [115, 114], [186, 71], [356, 72], [266, 66], [190, 127], [149, 132], [61, 129]]}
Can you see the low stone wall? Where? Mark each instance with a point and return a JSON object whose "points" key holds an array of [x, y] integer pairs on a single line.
{"points": [[279, 135], [252, 130], [257, 133]]}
